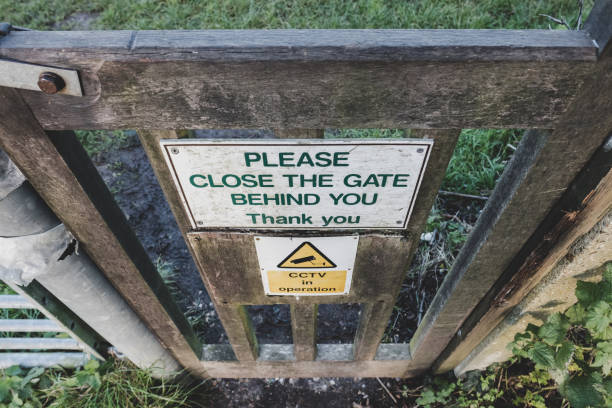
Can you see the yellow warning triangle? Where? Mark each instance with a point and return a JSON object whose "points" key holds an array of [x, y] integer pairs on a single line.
{"points": [[306, 256]]}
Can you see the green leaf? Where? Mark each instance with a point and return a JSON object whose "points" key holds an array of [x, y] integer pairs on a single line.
{"points": [[427, 397], [92, 365], [555, 328], [588, 293], [33, 373], [581, 392], [576, 314], [598, 320], [542, 354], [607, 275], [89, 379], [603, 356], [564, 355], [13, 370], [5, 390]]}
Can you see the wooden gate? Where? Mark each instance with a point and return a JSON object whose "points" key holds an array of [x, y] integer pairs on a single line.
{"points": [[298, 82]]}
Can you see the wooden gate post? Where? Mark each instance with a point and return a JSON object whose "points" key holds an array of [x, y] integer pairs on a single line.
{"points": [[522, 199], [59, 169]]}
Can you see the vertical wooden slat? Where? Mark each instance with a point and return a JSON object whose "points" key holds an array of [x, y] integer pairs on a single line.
{"points": [[372, 324], [304, 330], [303, 316], [59, 169], [239, 329], [375, 316]]}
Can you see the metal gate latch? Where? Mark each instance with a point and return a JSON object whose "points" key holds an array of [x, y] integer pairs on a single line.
{"points": [[43, 78]]}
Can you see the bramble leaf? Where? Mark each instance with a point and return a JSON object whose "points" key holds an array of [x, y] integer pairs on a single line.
{"points": [[555, 328], [542, 354], [603, 357], [598, 320], [581, 391], [564, 355], [576, 314], [588, 293]]}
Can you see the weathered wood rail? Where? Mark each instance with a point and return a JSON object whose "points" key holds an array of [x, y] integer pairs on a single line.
{"points": [[300, 82]]}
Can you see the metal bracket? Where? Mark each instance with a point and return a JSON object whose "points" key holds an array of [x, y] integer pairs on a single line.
{"points": [[42, 78]]}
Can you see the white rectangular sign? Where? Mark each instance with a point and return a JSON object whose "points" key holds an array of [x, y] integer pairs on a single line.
{"points": [[307, 266], [298, 184]]}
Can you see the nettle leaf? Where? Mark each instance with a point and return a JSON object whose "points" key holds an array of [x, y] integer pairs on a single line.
{"points": [[588, 293], [598, 320], [555, 328], [581, 391], [564, 355], [576, 314], [607, 274], [542, 354], [603, 357]]}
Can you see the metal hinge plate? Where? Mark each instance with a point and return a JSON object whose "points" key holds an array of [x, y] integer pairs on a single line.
{"points": [[23, 75]]}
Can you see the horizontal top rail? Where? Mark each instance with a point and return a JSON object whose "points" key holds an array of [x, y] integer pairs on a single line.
{"points": [[308, 79], [310, 45]]}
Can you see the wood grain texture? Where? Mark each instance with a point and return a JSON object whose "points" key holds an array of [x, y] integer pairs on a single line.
{"points": [[234, 317], [231, 270], [308, 45], [511, 218], [588, 199], [306, 369], [598, 204], [304, 331], [309, 79], [60, 170], [373, 321], [239, 329]]}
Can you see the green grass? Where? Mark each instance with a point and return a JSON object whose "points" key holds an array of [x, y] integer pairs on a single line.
{"points": [[108, 385], [192, 14], [479, 159]]}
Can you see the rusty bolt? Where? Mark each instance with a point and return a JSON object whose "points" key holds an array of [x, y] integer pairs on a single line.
{"points": [[50, 83]]}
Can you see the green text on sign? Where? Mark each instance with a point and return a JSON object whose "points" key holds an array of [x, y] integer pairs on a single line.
{"points": [[298, 184]]}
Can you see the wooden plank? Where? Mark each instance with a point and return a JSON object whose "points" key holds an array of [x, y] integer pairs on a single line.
{"points": [[309, 79], [304, 331], [470, 277], [307, 45], [303, 316], [60, 170], [233, 316], [239, 329], [306, 369], [375, 313], [373, 321], [520, 202], [586, 202]]}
